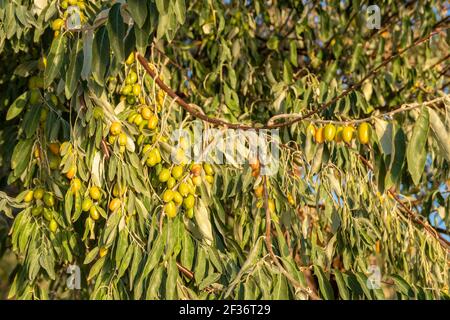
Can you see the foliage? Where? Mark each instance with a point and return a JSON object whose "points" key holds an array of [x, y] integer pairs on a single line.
{"points": [[85, 149]]}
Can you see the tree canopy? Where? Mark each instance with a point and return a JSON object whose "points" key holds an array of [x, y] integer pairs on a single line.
{"points": [[93, 93]]}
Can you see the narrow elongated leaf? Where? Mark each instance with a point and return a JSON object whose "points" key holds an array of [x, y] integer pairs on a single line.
{"points": [[101, 55], [440, 133], [343, 291], [281, 290], [179, 7], [75, 66], [403, 286], [17, 106], [324, 284], [203, 220], [88, 38], [249, 263], [171, 282], [415, 152], [55, 60], [398, 159], [91, 255], [116, 31], [154, 256], [162, 6], [138, 11]]}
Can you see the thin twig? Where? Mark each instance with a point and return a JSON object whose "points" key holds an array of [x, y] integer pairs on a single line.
{"points": [[188, 273]]}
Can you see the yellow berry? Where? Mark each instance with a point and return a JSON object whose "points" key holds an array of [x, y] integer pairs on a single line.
{"points": [[95, 193], [28, 196], [130, 59], [170, 209], [189, 202], [53, 226], [114, 204], [57, 24], [168, 195], [115, 128]]}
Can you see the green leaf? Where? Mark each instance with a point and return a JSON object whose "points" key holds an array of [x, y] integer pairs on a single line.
{"points": [[142, 36], [179, 7], [397, 160], [324, 283], [415, 152], [96, 268], [403, 286], [122, 245], [17, 106], [210, 279], [200, 265], [440, 133], [153, 291], [293, 53], [134, 269], [203, 220], [162, 6], [162, 26], [31, 121], [47, 261], [154, 256], [280, 290], [78, 202], [91, 256], [21, 155], [356, 57], [34, 266], [55, 60], [88, 39], [273, 43], [125, 261], [287, 72], [171, 281], [343, 291], [187, 251], [362, 103], [384, 131], [68, 204], [362, 280], [116, 31], [75, 66], [252, 258], [100, 55], [138, 11]]}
